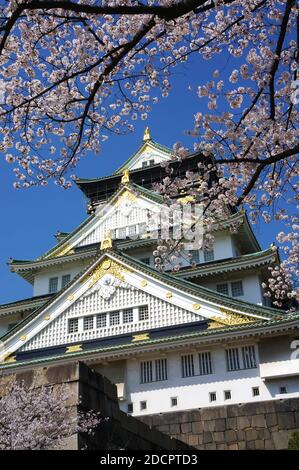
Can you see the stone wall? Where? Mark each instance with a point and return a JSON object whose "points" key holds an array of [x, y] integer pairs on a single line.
{"points": [[96, 392], [262, 425]]}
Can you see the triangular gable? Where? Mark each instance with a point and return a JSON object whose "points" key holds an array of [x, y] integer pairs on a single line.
{"points": [[179, 297], [149, 150], [129, 205]]}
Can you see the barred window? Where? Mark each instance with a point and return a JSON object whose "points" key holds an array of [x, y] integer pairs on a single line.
{"points": [[53, 285], [161, 369], [132, 230], [195, 256], [101, 320], [153, 371], [173, 401], [151, 162], [73, 325], [255, 391], [130, 408], [187, 365], [144, 164], [143, 405], [232, 359], [143, 313], [208, 255], [248, 355], [88, 323], [146, 372], [114, 318], [237, 289], [113, 234], [222, 288], [122, 232], [128, 315], [65, 280], [205, 363], [227, 395], [142, 228], [213, 396]]}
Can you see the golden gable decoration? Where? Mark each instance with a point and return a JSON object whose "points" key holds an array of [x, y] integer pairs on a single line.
{"points": [[106, 266], [125, 196]]}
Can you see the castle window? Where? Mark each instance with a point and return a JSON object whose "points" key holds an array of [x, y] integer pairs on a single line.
{"points": [[195, 256], [255, 391], [227, 395], [237, 289], [146, 372], [132, 230], [65, 280], [222, 288], [88, 323], [101, 320], [143, 313], [128, 315], [122, 232], [73, 325], [143, 405], [232, 359], [248, 355], [130, 408], [208, 255], [213, 396], [161, 369], [113, 233], [53, 285], [151, 162], [114, 318], [142, 228], [158, 373], [187, 365], [205, 363], [173, 401]]}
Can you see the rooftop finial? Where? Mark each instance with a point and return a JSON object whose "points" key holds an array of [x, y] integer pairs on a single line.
{"points": [[125, 177], [146, 135]]}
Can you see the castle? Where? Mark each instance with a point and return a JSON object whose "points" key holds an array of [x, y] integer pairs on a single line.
{"points": [[199, 337]]}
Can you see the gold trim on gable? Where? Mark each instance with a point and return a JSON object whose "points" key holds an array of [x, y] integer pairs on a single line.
{"points": [[9, 358], [232, 318], [75, 348], [141, 337], [125, 196], [106, 266]]}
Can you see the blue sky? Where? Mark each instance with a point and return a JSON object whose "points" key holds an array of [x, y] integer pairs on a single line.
{"points": [[30, 218]]}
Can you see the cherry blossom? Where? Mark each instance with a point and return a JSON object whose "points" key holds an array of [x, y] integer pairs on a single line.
{"points": [[73, 73]]}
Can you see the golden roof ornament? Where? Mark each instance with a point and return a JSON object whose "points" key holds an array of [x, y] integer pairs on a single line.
{"points": [[146, 135], [106, 242], [125, 177]]}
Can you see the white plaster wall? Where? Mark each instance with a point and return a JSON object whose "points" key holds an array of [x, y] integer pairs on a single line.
{"points": [[251, 286], [41, 280], [193, 392]]}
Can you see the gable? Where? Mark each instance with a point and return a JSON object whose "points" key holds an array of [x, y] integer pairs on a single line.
{"points": [[106, 286], [129, 207], [148, 154]]}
